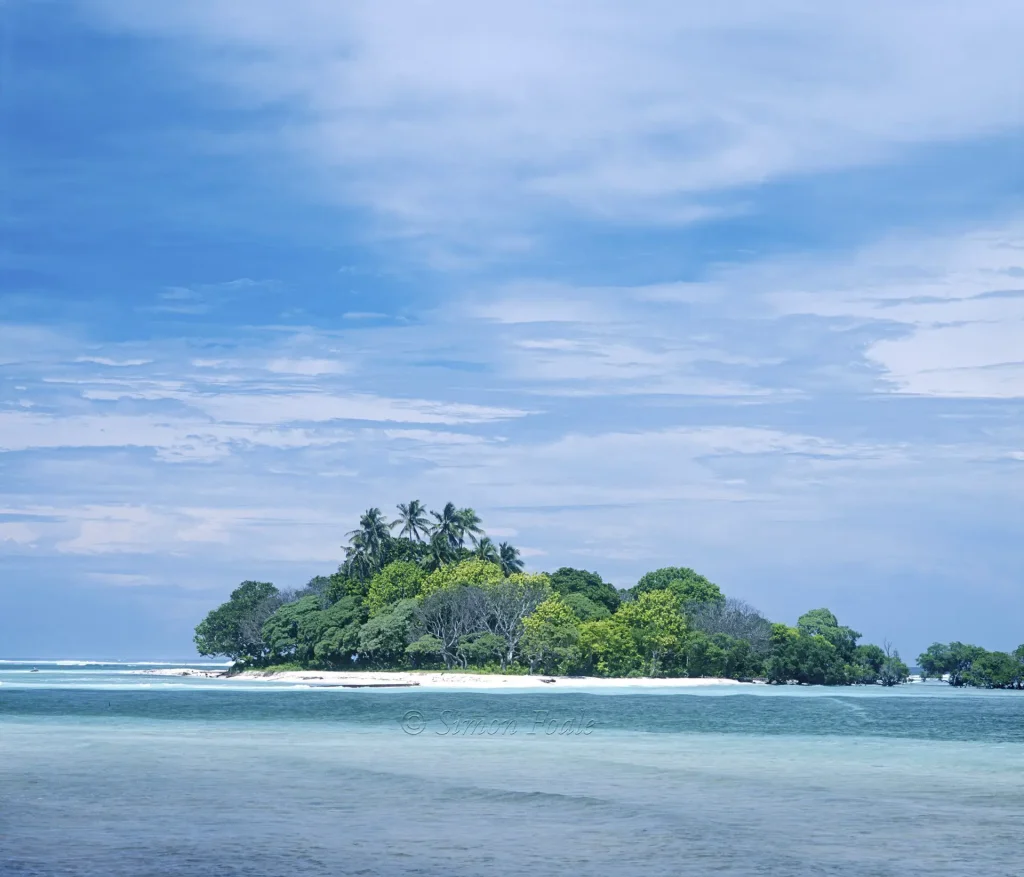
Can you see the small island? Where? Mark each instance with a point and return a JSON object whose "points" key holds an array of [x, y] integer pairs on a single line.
{"points": [[432, 597]]}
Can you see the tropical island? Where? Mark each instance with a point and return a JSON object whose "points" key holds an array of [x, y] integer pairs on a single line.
{"points": [[431, 591]]}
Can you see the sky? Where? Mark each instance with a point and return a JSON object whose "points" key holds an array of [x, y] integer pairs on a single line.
{"points": [[735, 286]]}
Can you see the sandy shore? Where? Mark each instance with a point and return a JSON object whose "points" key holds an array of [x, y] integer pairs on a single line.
{"points": [[438, 679]]}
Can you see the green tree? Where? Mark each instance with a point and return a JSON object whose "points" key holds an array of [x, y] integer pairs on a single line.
{"points": [[720, 655], [935, 661], [318, 586], [340, 585], [400, 548], [551, 637], [235, 628], [608, 647], [424, 651], [335, 632], [373, 530], [397, 581], [819, 662], [466, 572], [687, 585], [807, 658], [290, 633], [469, 526], [447, 527], [781, 667], [704, 656], [364, 554], [487, 550], [359, 564], [383, 639], [567, 580], [482, 649], [821, 622], [742, 661], [658, 627], [954, 659], [972, 665], [508, 557], [412, 518], [303, 632], [868, 661], [586, 609], [439, 552], [993, 670]]}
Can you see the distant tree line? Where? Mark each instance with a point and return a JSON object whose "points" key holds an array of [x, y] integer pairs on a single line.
{"points": [[432, 590], [965, 665]]}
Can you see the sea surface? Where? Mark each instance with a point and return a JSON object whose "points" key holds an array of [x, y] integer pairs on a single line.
{"points": [[106, 771]]}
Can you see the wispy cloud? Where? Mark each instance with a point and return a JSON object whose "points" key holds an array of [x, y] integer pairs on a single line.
{"points": [[113, 363], [949, 308], [307, 366], [203, 298], [451, 116]]}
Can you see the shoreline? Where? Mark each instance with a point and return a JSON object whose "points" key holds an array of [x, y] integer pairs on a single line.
{"points": [[438, 679]]}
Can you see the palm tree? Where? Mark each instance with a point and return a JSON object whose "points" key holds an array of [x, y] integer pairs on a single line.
{"points": [[360, 563], [413, 519], [366, 545], [447, 526], [508, 557], [439, 552], [469, 525], [487, 550]]}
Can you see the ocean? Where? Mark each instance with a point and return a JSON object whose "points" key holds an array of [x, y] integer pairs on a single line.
{"points": [[104, 771]]}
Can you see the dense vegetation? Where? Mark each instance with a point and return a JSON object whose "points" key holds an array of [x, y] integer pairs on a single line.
{"points": [[432, 590], [960, 664]]}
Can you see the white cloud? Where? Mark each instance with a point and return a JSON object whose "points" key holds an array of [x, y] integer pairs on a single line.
{"points": [[542, 302], [948, 308], [18, 532], [977, 359], [217, 514], [113, 363], [307, 366], [321, 407], [459, 113], [240, 421]]}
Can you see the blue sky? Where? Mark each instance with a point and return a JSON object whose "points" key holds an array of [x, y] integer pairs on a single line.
{"points": [[737, 287]]}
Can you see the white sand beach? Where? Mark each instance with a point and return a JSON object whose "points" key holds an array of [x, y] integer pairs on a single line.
{"points": [[438, 679]]}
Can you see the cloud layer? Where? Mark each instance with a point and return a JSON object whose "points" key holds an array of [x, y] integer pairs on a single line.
{"points": [[450, 115]]}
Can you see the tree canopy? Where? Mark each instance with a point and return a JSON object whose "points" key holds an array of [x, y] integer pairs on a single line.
{"points": [[567, 580], [961, 664], [688, 586], [235, 628], [399, 580]]}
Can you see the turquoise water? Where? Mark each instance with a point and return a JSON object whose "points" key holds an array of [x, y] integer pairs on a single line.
{"points": [[106, 772]]}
